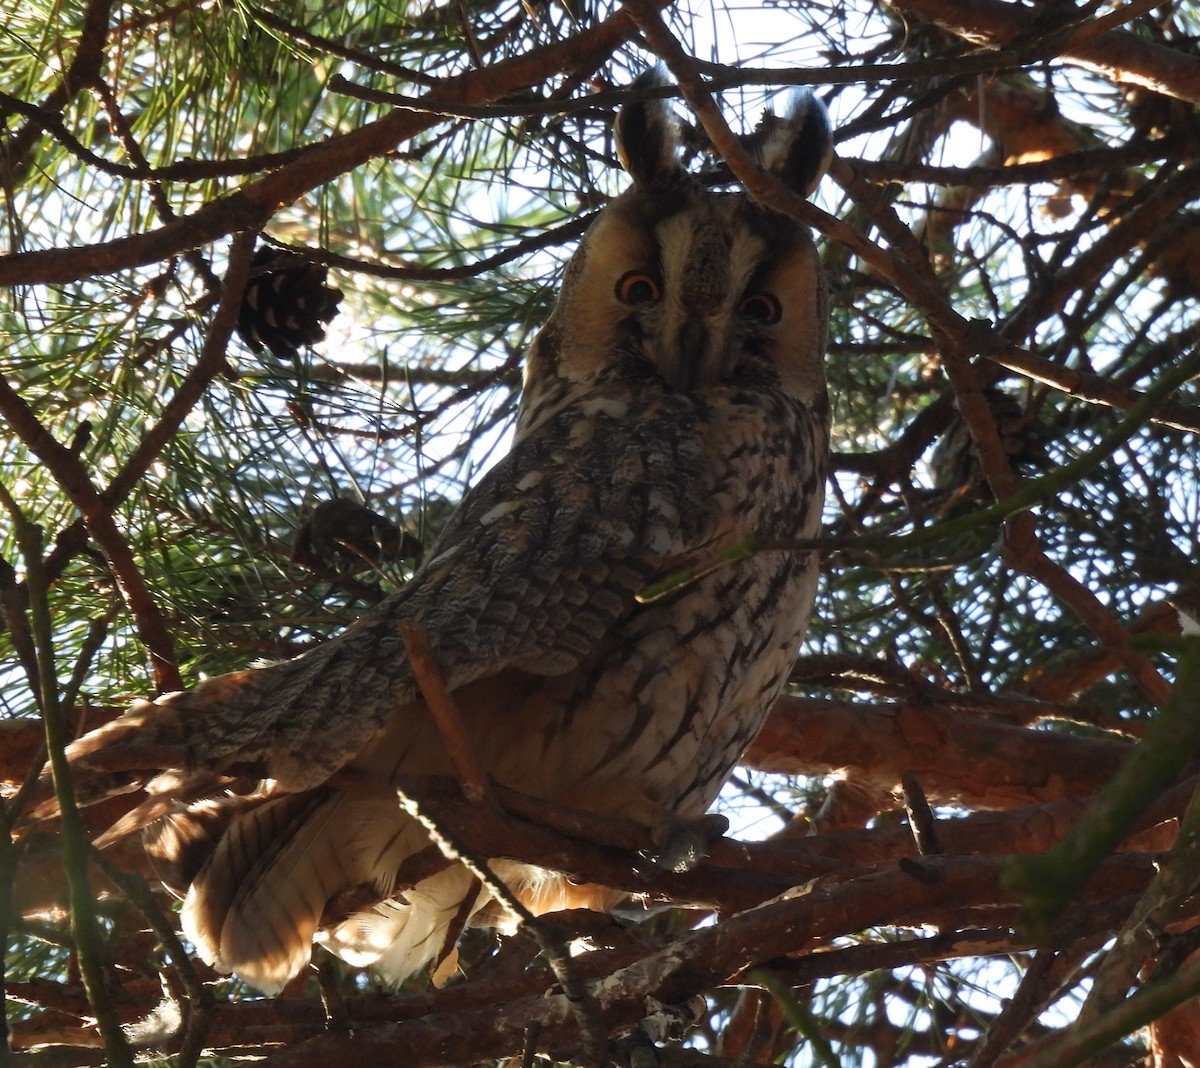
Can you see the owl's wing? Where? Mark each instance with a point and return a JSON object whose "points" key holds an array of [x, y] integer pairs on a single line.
{"points": [[545, 555]]}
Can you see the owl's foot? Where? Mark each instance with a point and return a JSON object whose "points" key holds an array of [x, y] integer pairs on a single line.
{"points": [[684, 843], [666, 1023]]}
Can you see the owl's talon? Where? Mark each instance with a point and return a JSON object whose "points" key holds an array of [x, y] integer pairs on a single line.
{"points": [[636, 1050], [666, 1023], [685, 844]]}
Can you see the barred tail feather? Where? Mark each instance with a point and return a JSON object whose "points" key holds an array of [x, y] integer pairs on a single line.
{"points": [[327, 866], [179, 844], [255, 905]]}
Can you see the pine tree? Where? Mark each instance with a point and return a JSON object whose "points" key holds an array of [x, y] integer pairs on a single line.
{"points": [[268, 272]]}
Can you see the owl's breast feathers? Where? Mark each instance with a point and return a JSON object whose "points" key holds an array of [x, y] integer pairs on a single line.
{"points": [[540, 565]]}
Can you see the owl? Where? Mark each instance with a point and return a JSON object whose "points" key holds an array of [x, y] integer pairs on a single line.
{"points": [[674, 405]]}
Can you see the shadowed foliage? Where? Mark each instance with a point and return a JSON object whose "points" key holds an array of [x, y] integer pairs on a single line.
{"points": [[268, 273]]}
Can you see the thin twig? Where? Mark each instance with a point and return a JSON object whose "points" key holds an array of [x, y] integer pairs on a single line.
{"points": [[84, 68], [9, 860], [199, 1010], [72, 477], [1027, 494], [1074, 1045], [800, 1016], [1048, 882], [442, 707], [565, 232], [1018, 1010], [85, 927], [322, 162], [13, 614], [1093, 388], [574, 989], [475, 785], [1136, 943]]}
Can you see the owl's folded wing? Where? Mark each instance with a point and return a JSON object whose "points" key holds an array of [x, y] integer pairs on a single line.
{"points": [[545, 555]]}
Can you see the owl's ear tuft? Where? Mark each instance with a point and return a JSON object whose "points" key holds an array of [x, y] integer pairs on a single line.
{"points": [[647, 135], [798, 146]]}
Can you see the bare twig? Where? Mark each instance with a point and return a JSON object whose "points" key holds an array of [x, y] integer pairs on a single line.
{"points": [[441, 705], [84, 68], [576, 993], [70, 474], [198, 1012], [476, 787], [1074, 1045], [1093, 388], [1117, 54], [96, 507], [1050, 881], [799, 1015], [1137, 941]]}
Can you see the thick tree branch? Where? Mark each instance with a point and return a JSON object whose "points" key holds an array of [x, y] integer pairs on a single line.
{"points": [[960, 759], [1117, 54], [693, 962]]}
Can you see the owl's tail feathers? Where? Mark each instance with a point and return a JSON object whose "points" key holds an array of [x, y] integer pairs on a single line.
{"points": [[179, 843], [422, 925], [418, 926], [254, 904], [350, 871]]}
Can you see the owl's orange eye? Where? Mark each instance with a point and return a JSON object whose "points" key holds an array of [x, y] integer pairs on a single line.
{"points": [[637, 287], [761, 308]]}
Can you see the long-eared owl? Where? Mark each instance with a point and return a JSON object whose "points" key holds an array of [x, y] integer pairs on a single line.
{"points": [[674, 404]]}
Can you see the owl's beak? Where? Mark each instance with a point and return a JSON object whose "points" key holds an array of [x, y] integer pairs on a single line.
{"points": [[692, 365], [693, 347]]}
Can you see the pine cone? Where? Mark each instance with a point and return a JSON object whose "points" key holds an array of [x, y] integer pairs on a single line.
{"points": [[286, 303]]}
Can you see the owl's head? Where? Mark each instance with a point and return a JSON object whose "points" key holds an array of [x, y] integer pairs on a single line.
{"points": [[696, 288]]}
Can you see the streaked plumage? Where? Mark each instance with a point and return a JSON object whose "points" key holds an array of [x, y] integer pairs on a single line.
{"points": [[674, 404]]}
